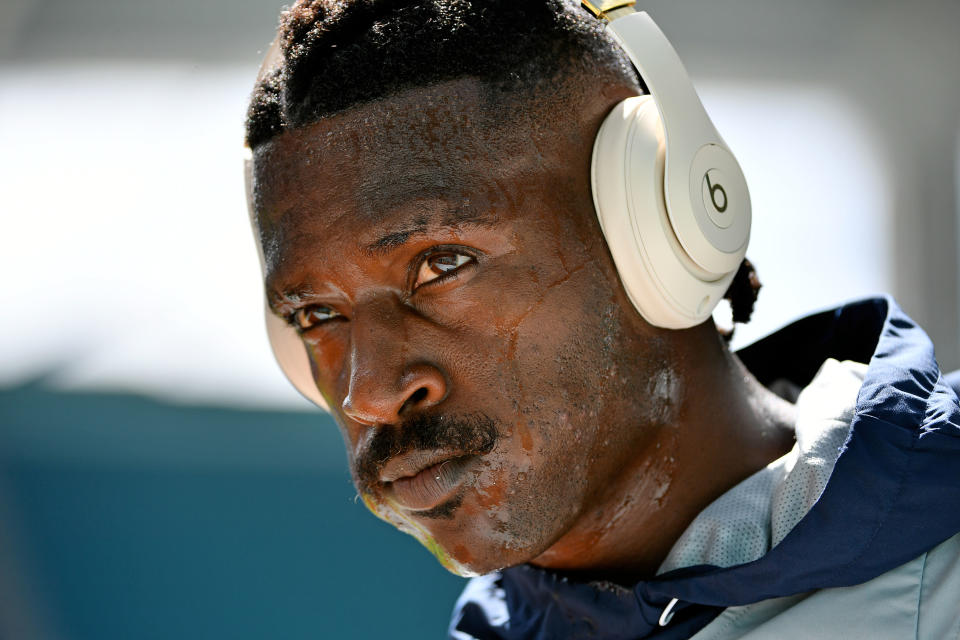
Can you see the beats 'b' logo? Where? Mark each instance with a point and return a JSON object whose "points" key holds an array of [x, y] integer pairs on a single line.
{"points": [[714, 191], [715, 200]]}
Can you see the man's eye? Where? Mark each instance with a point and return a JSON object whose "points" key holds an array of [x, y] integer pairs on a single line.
{"points": [[304, 319], [439, 265]]}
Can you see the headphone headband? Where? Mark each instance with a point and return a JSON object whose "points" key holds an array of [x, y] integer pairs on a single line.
{"points": [[609, 10], [714, 240]]}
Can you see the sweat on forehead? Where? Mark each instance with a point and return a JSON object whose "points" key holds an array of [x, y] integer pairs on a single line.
{"points": [[467, 106], [422, 143]]}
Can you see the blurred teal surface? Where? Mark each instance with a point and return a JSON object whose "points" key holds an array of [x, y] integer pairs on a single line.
{"points": [[139, 519]]}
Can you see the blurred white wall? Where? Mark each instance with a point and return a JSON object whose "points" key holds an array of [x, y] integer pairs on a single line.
{"points": [[128, 256], [126, 253], [822, 222]]}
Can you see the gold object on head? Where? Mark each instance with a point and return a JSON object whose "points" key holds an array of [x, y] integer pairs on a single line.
{"points": [[609, 9]]}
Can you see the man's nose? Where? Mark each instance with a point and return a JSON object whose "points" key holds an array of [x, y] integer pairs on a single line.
{"points": [[388, 377]]}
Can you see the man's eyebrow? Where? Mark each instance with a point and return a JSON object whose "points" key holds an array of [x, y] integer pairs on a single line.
{"points": [[392, 240], [292, 295], [455, 219]]}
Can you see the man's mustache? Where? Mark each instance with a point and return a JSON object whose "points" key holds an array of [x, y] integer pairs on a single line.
{"points": [[461, 435]]}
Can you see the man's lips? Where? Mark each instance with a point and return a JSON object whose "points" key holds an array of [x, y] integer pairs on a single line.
{"points": [[411, 463], [422, 480]]}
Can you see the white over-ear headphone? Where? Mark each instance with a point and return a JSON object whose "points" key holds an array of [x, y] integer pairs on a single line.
{"points": [[670, 196]]}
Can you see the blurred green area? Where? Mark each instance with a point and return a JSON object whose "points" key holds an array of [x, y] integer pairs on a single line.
{"points": [[139, 519]]}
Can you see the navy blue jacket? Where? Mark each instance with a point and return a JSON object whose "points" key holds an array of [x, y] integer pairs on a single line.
{"points": [[894, 494]]}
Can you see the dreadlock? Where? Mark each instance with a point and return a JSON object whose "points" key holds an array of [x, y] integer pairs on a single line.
{"points": [[742, 295]]}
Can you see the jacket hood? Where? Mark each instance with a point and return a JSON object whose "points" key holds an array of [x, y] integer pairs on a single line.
{"points": [[891, 497]]}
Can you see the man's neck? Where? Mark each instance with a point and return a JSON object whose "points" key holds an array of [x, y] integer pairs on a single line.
{"points": [[729, 428]]}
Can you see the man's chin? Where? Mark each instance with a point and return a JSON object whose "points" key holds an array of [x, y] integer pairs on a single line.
{"points": [[463, 567], [455, 556]]}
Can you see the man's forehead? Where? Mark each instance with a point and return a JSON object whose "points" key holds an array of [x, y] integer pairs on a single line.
{"points": [[383, 171], [419, 120], [437, 143], [444, 124]]}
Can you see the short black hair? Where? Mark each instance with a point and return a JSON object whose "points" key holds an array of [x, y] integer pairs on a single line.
{"points": [[342, 53]]}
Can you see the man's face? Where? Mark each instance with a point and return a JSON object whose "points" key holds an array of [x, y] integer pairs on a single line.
{"points": [[462, 316]]}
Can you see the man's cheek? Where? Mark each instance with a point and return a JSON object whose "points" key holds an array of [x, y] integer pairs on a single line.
{"points": [[328, 360]]}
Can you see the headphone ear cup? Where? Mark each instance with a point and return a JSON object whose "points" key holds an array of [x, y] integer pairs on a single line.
{"points": [[291, 355], [627, 173]]}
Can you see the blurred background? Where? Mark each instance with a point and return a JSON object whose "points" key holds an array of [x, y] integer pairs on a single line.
{"points": [[158, 476]]}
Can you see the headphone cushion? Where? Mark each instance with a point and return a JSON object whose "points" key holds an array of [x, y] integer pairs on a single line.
{"points": [[291, 354], [627, 173]]}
